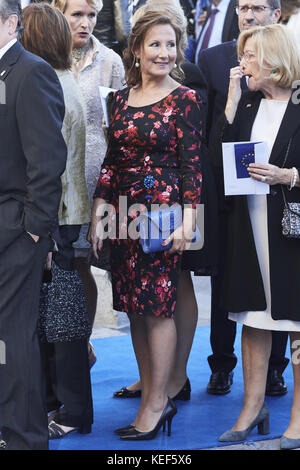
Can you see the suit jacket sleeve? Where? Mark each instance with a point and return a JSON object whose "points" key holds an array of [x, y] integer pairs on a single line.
{"points": [[210, 98], [40, 113]]}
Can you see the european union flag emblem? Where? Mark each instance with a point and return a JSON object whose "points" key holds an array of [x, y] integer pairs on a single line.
{"points": [[244, 155]]}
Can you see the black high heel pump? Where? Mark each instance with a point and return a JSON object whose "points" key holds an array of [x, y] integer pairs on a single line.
{"points": [[167, 415]]}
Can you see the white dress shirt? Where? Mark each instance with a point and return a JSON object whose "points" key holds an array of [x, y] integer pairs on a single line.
{"points": [[4, 49], [216, 34]]}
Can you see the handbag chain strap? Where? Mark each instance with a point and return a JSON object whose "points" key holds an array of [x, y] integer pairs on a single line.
{"points": [[284, 162]]}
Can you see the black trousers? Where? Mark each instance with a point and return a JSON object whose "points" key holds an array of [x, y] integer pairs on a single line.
{"points": [[68, 382], [23, 418], [223, 333]]}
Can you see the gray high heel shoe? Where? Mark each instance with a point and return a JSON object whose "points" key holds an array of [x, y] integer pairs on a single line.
{"points": [[287, 443], [262, 422]]}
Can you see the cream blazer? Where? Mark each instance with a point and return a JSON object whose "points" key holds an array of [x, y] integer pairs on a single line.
{"points": [[74, 206]]}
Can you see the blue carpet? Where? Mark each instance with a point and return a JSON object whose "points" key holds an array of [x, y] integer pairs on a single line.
{"points": [[198, 422]]}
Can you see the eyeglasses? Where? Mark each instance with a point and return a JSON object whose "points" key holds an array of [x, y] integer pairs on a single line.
{"points": [[256, 9], [247, 56]]}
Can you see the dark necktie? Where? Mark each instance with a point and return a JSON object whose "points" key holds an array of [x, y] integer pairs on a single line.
{"points": [[209, 29]]}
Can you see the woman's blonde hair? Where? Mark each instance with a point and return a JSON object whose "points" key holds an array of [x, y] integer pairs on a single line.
{"points": [[275, 50], [62, 4], [136, 39]]}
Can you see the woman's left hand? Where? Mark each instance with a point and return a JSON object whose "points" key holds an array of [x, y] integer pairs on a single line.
{"points": [[180, 239], [269, 174]]}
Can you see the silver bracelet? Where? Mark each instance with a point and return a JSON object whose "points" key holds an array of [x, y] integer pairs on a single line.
{"points": [[294, 176]]}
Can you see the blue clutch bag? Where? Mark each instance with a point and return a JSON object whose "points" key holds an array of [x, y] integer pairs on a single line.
{"points": [[156, 226]]}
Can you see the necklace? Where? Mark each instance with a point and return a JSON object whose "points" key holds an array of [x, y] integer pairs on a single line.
{"points": [[79, 52]]}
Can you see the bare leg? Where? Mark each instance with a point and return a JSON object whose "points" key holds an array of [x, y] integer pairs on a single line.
{"points": [[161, 334], [139, 339], [256, 350], [293, 430], [186, 317], [90, 287]]}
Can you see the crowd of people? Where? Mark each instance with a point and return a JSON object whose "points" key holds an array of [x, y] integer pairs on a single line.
{"points": [[187, 77]]}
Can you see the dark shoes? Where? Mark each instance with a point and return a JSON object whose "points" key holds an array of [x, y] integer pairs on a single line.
{"points": [[56, 431], [184, 394], [275, 384], [167, 416], [125, 393], [219, 383]]}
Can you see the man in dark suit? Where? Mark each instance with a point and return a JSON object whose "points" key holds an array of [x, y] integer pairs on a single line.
{"points": [[216, 63], [32, 159], [221, 25]]}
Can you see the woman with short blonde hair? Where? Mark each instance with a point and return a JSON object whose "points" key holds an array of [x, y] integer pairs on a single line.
{"points": [[62, 4], [263, 254], [276, 51]]}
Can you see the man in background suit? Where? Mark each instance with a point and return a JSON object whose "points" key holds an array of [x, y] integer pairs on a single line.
{"points": [[216, 63], [220, 26], [32, 159]]}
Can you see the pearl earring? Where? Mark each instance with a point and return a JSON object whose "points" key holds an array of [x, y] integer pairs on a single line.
{"points": [[137, 64], [175, 65]]}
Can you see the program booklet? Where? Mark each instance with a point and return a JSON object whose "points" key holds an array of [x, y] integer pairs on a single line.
{"points": [[236, 158]]}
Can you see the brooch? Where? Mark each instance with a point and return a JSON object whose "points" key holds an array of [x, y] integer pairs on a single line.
{"points": [[149, 182]]}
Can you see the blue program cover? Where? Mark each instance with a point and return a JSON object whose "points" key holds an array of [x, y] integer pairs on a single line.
{"points": [[244, 155]]}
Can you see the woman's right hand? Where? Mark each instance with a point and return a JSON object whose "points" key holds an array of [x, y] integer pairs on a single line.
{"points": [[96, 230], [234, 93]]}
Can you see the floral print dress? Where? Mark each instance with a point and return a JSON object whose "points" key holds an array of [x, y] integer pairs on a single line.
{"points": [[153, 157]]}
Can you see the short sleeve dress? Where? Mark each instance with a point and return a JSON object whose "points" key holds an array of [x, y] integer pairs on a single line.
{"points": [[153, 157]]}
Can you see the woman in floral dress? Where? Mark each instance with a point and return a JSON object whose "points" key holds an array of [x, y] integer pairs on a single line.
{"points": [[154, 157]]}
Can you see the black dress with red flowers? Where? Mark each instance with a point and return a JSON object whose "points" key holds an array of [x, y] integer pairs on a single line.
{"points": [[153, 157]]}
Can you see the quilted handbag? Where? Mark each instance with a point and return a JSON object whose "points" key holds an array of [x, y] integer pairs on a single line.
{"points": [[156, 226], [291, 220], [291, 213]]}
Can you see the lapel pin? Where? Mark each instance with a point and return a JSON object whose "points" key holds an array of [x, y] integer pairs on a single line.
{"points": [[249, 105]]}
